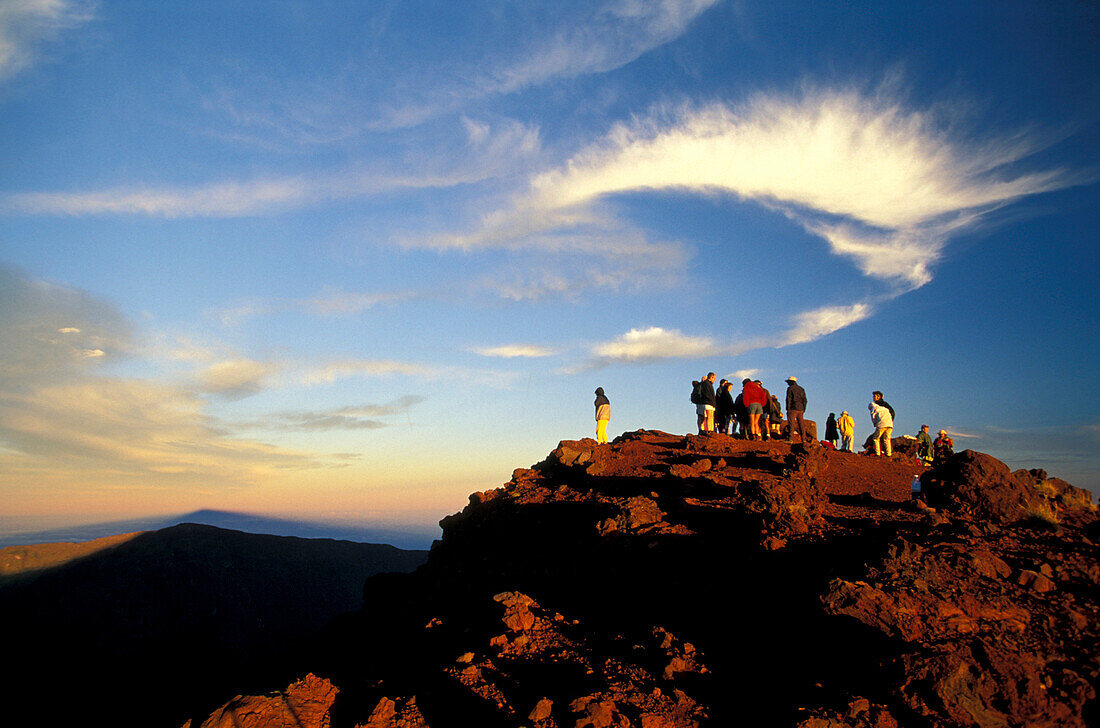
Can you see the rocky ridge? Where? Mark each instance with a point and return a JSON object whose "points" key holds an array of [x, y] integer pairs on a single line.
{"points": [[680, 581]]}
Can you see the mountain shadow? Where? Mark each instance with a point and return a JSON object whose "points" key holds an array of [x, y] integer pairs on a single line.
{"points": [[151, 630], [409, 538]]}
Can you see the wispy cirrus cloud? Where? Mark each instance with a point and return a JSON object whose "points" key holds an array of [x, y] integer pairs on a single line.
{"points": [[26, 24], [489, 152], [883, 184], [655, 343], [605, 37], [514, 351], [358, 417]]}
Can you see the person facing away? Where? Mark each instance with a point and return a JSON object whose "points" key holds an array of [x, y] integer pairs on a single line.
{"points": [[603, 414], [796, 408], [774, 415], [724, 410], [765, 431], [846, 426], [707, 403], [831, 433], [884, 426], [943, 447], [924, 445], [753, 397]]}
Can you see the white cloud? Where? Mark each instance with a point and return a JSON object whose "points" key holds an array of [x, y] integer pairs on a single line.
{"points": [[26, 24], [348, 368], [234, 379], [812, 325], [650, 344], [882, 183], [742, 374], [511, 351]]}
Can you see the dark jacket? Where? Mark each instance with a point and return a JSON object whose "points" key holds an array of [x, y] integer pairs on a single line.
{"points": [[796, 398], [884, 403], [725, 401], [706, 393], [831, 431]]}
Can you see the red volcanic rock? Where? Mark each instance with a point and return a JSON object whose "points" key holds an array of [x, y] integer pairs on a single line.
{"points": [[980, 487], [305, 704], [792, 586], [403, 713]]}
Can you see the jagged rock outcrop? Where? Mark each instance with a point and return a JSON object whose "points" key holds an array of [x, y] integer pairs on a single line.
{"points": [[664, 580]]}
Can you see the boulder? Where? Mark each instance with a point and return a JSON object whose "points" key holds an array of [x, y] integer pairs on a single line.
{"points": [[978, 486]]}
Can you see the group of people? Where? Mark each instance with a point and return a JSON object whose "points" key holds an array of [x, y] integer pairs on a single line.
{"points": [[755, 414]]}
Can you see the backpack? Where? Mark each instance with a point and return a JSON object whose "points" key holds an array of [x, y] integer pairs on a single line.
{"points": [[696, 397]]}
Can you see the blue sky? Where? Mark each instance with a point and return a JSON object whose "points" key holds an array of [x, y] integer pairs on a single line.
{"points": [[355, 260]]}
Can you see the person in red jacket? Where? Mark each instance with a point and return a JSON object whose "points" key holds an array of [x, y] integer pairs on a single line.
{"points": [[755, 400]]}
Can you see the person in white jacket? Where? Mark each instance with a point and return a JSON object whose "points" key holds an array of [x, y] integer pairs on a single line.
{"points": [[884, 426]]}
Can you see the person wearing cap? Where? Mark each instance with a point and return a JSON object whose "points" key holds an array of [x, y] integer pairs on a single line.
{"points": [[884, 426], [603, 414], [796, 407], [846, 426], [877, 397], [924, 445], [943, 447]]}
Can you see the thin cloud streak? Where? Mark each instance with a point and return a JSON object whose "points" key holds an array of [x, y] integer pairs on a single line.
{"points": [[26, 24], [513, 351], [490, 153]]}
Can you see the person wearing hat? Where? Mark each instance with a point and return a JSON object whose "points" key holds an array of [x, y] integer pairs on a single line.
{"points": [[796, 408], [943, 447], [603, 415], [846, 426], [924, 445]]}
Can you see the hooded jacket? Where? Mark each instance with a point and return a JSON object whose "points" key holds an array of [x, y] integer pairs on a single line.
{"points": [[603, 405]]}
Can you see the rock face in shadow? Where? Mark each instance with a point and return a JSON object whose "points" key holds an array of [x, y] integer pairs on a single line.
{"points": [[167, 622], [705, 581]]}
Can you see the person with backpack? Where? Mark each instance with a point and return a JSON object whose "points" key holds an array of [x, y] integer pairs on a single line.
{"points": [[705, 402]]}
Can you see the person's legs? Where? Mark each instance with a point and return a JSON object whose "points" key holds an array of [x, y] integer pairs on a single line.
{"points": [[710, 419], [886, 435], [878, 439], [797, 425], [848, 443], [601, 430]]}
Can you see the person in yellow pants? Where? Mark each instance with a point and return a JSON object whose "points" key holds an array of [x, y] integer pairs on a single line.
{"points": [[603, 414]]}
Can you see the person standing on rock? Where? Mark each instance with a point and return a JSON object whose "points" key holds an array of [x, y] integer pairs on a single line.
{"points": [[831, 433], [846, 426], [707, 403], [943, 447], [765, 428], [877, 397], [796, 408], [724, 410], [754, 401], [924, 445], [883, 421], [603, 415]]}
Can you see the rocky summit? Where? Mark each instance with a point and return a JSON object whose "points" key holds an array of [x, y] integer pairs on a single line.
{"points": [[672, 581]]}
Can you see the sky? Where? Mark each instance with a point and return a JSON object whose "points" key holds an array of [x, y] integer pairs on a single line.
{"points": [[354, 261]]}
